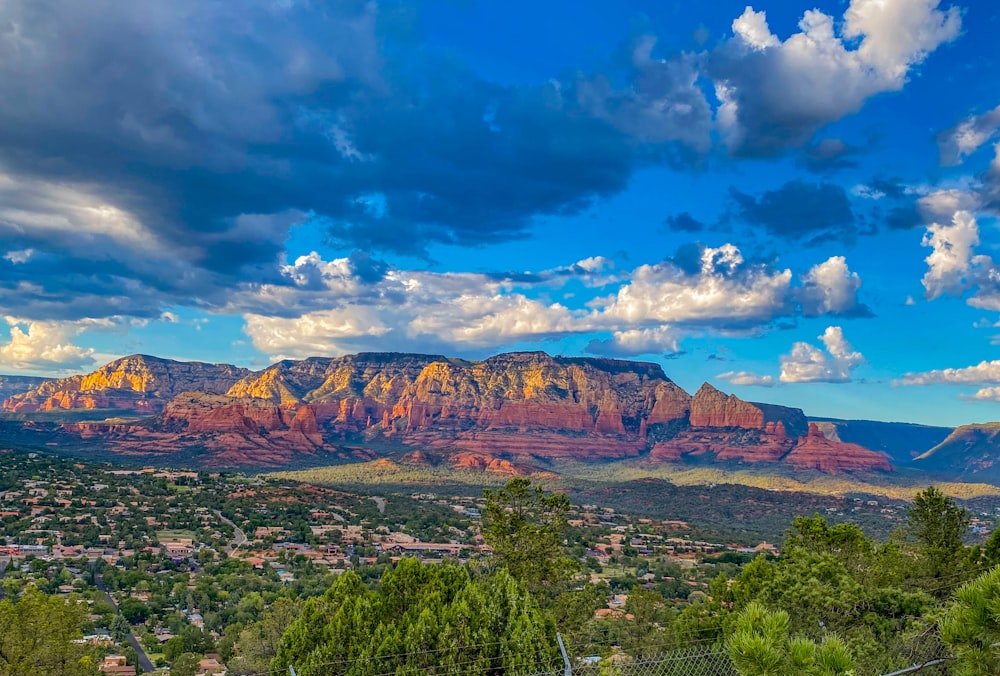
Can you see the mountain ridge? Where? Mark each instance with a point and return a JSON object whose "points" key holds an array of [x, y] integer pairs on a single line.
{"points": [[516, 407]]}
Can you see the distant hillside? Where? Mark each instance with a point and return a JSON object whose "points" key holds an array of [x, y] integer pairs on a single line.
{"points": [[902, 442], [969, 451], [138, 383], [11, 385]]}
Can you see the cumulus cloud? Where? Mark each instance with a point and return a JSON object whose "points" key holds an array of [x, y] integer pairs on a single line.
{"points": [[985, 372], [324, 308], [815, 77], [942, 204], [831, 288], [747, 378], [957, 143], [951, 263], [809, 364], [44, 346], [726, 292], [986, 394]]}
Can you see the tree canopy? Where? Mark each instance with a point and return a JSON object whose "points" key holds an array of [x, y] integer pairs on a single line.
{"points": [[36, 637], [525, 527], [421, 616]]}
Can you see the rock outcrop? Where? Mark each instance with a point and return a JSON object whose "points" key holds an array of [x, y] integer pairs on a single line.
{"points": [[137, 383], [815, 451], [516, 410]]}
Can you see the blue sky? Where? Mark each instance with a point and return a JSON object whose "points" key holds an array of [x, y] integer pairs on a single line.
{"points": [[794, 201]]}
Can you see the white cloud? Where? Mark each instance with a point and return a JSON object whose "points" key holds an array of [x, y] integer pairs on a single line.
{"points": [[950, 263], [46, 346], [983, 373], [943, 204], [897, 34], [830, 288], [635, 342], [726, 291], [20, 256], [775, 94], [326, 309], [752, 27], [809, 364], [987, 394], [747, 378], [967, 136]]}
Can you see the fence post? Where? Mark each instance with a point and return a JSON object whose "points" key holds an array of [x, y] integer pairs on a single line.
{"points": [[568, 671]]}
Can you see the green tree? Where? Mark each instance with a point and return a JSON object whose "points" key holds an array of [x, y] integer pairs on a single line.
{"points": [[186, 664], [971, 626], [761, 645], [36, 637], [524, 526], [120, 629], [939, 527], [258, 643], [133, 610]]}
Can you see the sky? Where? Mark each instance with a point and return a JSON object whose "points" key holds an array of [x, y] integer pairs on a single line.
{"points": [[794, 201]]}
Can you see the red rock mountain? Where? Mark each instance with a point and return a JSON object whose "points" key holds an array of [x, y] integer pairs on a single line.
{"points": [[525, 406], [138, 383]]}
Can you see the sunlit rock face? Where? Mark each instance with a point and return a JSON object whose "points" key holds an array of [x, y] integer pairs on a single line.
{"points": [[138, 383], [495, 415]]}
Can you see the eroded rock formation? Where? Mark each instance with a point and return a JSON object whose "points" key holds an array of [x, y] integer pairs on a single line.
{"points": [[518, 406]]}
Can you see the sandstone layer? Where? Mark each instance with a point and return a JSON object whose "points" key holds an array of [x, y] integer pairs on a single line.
{"points": [[138, 383], [527, 407]]}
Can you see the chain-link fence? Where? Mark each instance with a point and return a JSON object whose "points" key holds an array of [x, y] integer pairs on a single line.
{"points": [[592, 659]]}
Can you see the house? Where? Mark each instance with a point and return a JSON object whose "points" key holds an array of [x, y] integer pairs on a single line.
{"points": [[115, 664], [211, 666]]}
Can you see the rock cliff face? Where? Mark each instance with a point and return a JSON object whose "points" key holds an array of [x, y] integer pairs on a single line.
{"points": [[712, 408], [817, 452], [138, 383], [511, 410]]}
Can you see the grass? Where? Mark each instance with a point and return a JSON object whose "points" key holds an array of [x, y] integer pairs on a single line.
{"points": [[174, 534]]}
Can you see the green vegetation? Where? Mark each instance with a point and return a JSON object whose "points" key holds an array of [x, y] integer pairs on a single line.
{"points": [[36, 637], [420, 617], [335, 581]]}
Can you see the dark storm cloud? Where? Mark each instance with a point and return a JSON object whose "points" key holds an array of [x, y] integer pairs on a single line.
{"points": [[904, 217], [683, 222], [209, 129], [828, 156], [807, 212]]}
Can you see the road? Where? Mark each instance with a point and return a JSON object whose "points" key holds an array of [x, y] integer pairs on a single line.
{"points": [[144, 662], [239, 536]]}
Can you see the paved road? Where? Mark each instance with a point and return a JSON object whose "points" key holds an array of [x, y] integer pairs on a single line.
{"points": [[239, 537], [4, 560], [144, 660]]}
